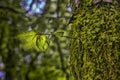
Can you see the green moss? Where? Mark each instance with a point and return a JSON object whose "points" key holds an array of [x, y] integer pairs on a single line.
{"points": [[95, 53]]}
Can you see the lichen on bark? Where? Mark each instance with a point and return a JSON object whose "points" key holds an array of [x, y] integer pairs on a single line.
{"points": [[95, 51]]}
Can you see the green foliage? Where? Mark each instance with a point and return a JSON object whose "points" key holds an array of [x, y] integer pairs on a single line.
{"points": [[34, 40], [59, 33], [52, 74], [95, 53], [42, 42], [38, 41], [21, 52]]}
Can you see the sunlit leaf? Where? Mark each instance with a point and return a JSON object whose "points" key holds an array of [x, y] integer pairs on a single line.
{"points": [[33, 40], [42, 42], [27, 39], [26, 34]]}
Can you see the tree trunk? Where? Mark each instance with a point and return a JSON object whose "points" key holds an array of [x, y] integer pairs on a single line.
{"points": [[95, 51]]}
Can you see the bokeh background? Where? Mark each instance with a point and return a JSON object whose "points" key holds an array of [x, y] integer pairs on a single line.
{"points": [[44, 16]]}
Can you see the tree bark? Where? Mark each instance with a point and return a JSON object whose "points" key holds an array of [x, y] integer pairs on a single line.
{"points": [[95, 51]]}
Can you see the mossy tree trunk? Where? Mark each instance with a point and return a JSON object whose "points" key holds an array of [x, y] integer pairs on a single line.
{"points": [[95, 51]]}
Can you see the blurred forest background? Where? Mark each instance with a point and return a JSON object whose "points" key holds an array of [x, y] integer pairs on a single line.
{"points": [[18, 63]]}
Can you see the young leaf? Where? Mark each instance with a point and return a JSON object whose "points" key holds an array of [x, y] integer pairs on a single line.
{"points": [[27, 34], [42, 42], [33, 40], [28, 39]]}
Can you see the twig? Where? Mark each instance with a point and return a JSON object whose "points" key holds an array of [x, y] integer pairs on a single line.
{"points": [[10, 9], [62, 59]]}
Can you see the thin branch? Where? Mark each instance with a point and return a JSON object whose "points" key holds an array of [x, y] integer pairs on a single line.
{"points": [[62, 59], [10, 9]]}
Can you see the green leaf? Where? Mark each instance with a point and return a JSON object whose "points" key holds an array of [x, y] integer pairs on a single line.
{"points": [[42, 42], [33, 40], [26, 35], [27, 39]]}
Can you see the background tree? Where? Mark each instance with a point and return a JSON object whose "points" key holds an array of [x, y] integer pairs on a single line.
{"points": [[95, 51]]}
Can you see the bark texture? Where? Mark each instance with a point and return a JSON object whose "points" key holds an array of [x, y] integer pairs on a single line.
{"points": [[95, 51]]}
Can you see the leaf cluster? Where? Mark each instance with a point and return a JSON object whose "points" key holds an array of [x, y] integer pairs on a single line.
{"points": [[34, 40]]}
